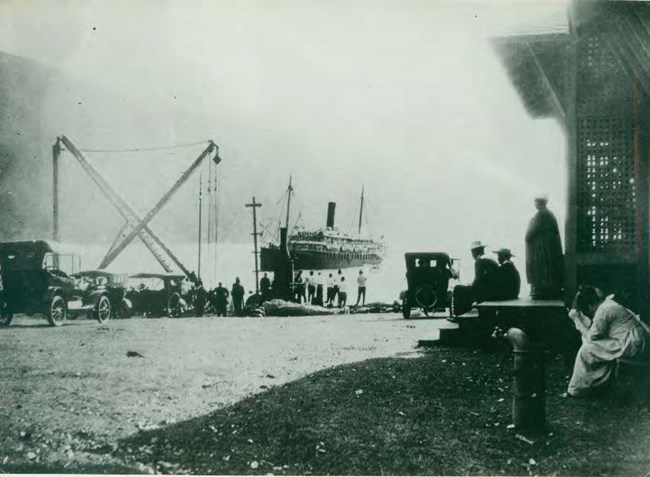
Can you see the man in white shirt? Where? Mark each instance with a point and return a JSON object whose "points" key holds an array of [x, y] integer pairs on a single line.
{"points": [[311, 287], [361, 283], [319, 289], [343, 292], [331, 295]]}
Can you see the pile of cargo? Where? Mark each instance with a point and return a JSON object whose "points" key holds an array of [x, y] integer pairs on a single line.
{"points": [[287, 308]]}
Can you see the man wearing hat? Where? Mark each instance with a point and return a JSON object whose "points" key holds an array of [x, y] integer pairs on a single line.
{"points": [[482, 288], [508, 282], [544, 259], [485, 270]]}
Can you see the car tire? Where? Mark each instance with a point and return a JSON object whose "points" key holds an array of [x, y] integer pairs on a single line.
{"points": [[174, 306], [102, 310], [426, 297], [57, 312], [5, 314]]}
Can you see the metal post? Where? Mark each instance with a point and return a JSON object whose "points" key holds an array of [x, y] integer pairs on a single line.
{"points": [[56, 152], [529, 399], [254, 205]]}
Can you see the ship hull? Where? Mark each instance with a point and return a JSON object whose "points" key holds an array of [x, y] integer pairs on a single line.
{"points": [[315, 260]]}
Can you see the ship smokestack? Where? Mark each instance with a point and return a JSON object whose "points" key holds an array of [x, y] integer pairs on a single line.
{"points": [[331, 209]]}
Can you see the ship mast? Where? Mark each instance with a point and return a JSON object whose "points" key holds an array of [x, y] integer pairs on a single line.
{"points": [[361, 210], [289, 190]]}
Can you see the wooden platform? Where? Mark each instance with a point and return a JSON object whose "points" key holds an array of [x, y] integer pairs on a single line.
{"points": [[521, 304], [476, 326]]}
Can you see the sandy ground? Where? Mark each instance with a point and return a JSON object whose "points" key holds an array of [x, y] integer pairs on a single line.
{"points": [[68, 394]]}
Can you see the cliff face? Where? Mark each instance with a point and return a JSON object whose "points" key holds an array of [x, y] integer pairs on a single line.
{"points": [[24, 170]]}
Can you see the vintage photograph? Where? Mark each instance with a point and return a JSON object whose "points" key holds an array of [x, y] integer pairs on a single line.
{"points": [[325, 237]]}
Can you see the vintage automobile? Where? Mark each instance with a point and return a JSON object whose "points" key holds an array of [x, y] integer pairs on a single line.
{"points": [[37, 279], [156, 294], [113, 290], [428, 276]]}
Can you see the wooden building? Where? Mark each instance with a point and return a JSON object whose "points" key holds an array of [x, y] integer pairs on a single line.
{"points": [[593, 75]]}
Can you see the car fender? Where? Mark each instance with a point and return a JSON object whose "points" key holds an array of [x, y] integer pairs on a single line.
{"points": [[93, 297], [51, 291]]}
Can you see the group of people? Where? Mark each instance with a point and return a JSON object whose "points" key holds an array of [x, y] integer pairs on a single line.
{"points": [[607, 328], [500, 280], [332, 291], [217, 298]]}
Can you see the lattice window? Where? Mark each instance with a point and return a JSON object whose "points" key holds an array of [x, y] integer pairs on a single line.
{"points": [[603, 82], [605, 184]]}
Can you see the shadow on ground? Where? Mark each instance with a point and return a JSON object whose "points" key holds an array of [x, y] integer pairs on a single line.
{"points": [[445, 413]]}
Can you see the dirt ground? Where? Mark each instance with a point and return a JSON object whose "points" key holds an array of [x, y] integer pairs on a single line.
{"points": [[69, 394]]}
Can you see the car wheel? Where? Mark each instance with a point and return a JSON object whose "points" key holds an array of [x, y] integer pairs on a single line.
{"points": [[174, 306], [406, 309], [58, 311], [5, 314], [426, 297], [103, 309]]}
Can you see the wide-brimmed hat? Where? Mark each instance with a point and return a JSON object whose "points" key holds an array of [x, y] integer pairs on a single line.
{"points": [[477, 244], [504, 251]]}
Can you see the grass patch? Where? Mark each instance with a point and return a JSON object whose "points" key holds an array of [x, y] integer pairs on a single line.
{"points": [[444, 413]]}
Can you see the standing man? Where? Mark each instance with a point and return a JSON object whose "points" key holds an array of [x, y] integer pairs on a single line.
{"points": [[342, 292], [300, 287], [237, 293], [330, 290], [311, 287], [361, 290], [221, 300], [544, 258], [508, 282], [265, 287], [200, 296], [318, 300]]}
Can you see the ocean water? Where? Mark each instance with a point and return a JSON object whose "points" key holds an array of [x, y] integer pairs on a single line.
{"points": [[385, 282]]}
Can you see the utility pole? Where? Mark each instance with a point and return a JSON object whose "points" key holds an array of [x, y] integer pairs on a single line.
{"points": [[289, 191], [56, 152], [254, 205], [361, 210], [200, 221]]}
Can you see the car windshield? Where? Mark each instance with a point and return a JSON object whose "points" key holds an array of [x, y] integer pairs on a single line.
{"points": [[152, 283], [66, 263]]}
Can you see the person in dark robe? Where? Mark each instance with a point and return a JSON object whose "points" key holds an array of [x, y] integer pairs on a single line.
{"points": [[237, 294], [544, 259], [265, 287], [481, 289], [200, 297], [508, 281], [221, 300]]}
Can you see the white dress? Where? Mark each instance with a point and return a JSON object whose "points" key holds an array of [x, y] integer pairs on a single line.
{"points": [[615, 332]]}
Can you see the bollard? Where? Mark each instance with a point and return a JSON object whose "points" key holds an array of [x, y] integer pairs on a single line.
{"points": [[528, 402]]}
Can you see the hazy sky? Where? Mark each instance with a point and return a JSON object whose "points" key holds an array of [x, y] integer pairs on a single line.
{"points": [[405, 97]]}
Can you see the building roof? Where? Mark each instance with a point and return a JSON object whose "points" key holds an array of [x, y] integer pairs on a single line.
{"points": [[536, 66], [538, 58]]}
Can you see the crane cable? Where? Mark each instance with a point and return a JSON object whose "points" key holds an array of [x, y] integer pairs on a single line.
{"points": [[215, 233]]}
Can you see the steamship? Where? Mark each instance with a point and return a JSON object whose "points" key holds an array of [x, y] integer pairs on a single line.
{"points": [[323, 249]]}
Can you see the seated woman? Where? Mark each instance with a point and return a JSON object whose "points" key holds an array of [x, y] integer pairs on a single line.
{"points": [[609, 331]]}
